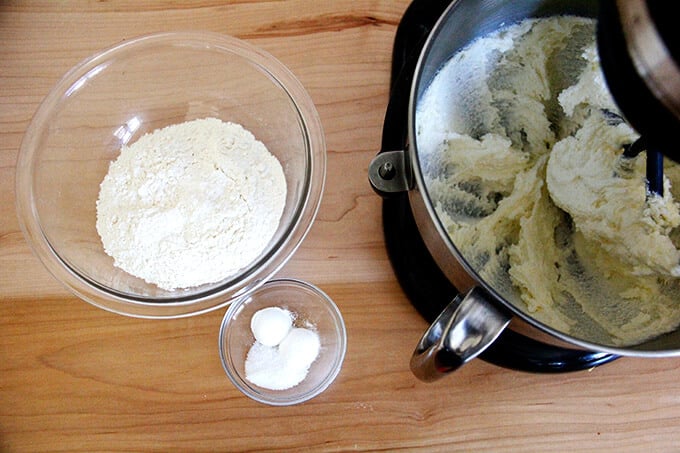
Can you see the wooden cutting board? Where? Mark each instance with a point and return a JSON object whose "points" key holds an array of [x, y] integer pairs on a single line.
{"points": [[76, 378]]}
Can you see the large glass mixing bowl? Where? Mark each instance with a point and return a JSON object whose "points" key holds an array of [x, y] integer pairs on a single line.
{"points": [[135, 87]]}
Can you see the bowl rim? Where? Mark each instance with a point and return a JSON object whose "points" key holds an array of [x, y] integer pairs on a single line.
{"points": [[217, 295], [240, 383]]}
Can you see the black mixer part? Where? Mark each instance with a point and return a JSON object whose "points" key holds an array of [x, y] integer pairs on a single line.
{"points": [[642, 92]]}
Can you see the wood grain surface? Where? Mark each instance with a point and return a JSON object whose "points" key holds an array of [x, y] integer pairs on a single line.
{"points": [[76, 378]]}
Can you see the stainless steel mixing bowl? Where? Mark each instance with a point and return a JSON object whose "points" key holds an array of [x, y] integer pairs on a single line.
{"points": [[476, 318]]}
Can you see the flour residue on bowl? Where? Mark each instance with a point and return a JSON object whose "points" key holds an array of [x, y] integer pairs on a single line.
{"points": [[520, 145], [191, 203]]}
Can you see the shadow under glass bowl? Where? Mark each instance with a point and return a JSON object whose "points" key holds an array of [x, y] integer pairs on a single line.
{"points": [[116, 96]]}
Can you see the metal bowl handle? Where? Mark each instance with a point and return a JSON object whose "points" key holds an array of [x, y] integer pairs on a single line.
{"points": [[465, 328]]}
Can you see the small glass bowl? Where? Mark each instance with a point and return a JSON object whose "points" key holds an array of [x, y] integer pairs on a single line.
{"points": [[310, 305]]}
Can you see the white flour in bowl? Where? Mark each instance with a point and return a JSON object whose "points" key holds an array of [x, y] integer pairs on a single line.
{"points": [[190, 204]]}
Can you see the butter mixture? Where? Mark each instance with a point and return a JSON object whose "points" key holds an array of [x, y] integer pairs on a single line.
{"points": [[521, 148]]}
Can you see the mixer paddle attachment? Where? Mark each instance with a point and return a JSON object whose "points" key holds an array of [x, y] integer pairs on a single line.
{"points": [[654, 169]]}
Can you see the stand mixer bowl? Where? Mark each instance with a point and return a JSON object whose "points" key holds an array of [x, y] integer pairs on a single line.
{"points": [[475, 318]]}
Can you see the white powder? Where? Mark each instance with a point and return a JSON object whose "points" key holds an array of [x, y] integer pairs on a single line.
{"points": [[190, 204], [285, 364], [271, 325]]}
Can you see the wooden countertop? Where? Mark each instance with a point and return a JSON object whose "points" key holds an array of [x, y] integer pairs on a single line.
{"points": [[76, 378]]}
